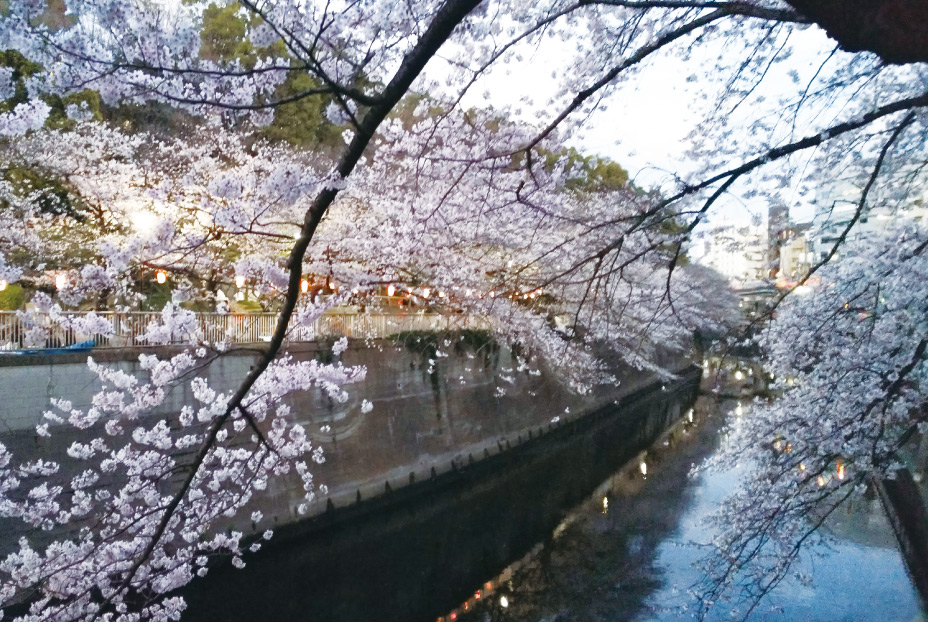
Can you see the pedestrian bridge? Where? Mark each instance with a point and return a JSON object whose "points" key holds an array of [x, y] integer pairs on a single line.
{"points": [[234, 328]]}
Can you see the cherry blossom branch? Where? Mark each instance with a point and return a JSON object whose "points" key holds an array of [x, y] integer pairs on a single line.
{"points": [[446, 19]]}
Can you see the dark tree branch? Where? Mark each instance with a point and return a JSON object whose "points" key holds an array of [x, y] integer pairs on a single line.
{"points": [[744, 9], [895, 30], [445, 21]]}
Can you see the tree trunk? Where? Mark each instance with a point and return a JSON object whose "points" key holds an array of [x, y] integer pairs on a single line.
{"points": [[896, 30]]}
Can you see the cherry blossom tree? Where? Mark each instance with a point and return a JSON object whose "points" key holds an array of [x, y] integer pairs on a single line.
{"points": [[849, 359], [488, 199], [141, 536]]}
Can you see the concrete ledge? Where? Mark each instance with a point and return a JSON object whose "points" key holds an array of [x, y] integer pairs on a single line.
{"points": [[903, 504]]}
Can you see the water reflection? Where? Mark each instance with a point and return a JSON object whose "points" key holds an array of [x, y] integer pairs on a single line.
{"points": [[628, 553], [413, 552]]}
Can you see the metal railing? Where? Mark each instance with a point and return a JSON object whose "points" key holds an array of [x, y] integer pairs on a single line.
{"points": [[236, 328]]}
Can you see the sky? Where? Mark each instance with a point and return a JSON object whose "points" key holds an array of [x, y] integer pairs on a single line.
{"points": [[645, 127]]}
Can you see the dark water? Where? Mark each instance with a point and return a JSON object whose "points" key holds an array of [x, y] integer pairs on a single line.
{"points": [[413, 553], [628, 553]]}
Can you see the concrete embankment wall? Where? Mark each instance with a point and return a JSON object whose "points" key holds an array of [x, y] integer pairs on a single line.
{"points": [[905, 509], [430, 413], [413, 553]]}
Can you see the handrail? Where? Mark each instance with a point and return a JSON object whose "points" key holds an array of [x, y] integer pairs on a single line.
{"points": [[236, 328]]}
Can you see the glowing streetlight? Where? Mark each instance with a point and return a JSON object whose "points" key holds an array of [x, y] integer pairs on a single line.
{"points": [[162, 277]]}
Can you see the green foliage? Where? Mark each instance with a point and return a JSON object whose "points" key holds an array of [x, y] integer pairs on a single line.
{"points": [[153, 117], [54, 197], [156, 295], [673, 226], [12, 298], [302, 123], [588, 173], [246, 306], [54, 16], [224, 36], [405, 109], [57, 116], [22, 69], [606, 175]]}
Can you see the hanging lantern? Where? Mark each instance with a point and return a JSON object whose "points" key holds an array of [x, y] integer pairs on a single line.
{"points": [[240, 281], [391, 289], [304, 286], [61, 280], [162, 277]]}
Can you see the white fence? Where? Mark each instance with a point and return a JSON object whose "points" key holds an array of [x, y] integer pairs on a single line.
{"points": [[238, 328]]}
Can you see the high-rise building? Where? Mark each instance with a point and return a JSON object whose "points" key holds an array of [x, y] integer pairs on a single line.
{"points": [[737, 252], [778, 223]]}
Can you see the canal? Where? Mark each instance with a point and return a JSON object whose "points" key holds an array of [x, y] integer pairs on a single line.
{"points": [[623, 552], [628, 552]]}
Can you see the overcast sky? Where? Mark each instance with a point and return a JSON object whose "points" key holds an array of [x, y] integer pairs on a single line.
{"points": [[644, 128]]}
